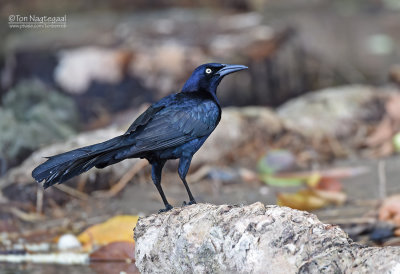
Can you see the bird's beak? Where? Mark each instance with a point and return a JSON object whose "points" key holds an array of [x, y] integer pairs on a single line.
{"points": [[228, 69]]}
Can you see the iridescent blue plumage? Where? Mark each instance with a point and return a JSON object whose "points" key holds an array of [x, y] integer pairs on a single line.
{"points": [[173, 128]]}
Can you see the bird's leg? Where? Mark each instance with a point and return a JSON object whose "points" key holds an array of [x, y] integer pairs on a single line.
{"points": [[184, 164], [156, 176]]}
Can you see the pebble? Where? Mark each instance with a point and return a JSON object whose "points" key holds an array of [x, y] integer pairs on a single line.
{"points": [[68, 242]]}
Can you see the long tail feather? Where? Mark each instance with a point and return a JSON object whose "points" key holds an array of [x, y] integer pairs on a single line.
{"points": [[61, 167]]}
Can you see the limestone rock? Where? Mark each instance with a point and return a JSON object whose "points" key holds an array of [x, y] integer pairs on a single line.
{"points": [[206, 238]]}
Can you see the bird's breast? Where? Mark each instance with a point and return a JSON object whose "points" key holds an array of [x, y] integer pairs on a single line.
{"points": [[208, 112]]}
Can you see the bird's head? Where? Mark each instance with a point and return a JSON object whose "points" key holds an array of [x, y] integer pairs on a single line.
{"points": [[208, 76]]}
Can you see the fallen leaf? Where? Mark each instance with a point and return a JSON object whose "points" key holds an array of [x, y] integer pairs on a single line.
{"points": [[323, 179], [396, 141], [336, 173], [390, 210], [329, 184], [114, 267], [314, 179], [303, 200], [116, 251], [282, 181], [116, 229], [334, 197]]}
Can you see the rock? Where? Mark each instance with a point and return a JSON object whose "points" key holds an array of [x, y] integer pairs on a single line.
{"points": [[25, 117], [238, 126], [78, 67], [206, 238], [158, 49], [335, 111]]}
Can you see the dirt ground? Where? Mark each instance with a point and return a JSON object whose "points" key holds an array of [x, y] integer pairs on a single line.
{"points": [[142, 198]]}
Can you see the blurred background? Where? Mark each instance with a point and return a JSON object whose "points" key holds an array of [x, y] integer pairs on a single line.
{"points": [[314, 124]]}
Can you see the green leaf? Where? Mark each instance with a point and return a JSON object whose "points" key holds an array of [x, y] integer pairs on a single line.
{"points": [[282, 181]]}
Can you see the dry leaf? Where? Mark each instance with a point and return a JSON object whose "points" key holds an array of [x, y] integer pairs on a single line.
{"points": [[114, 267], [337, 198], [302, 200], [311, 199], [116, 229], [314, 179], [329, 184], [116, 251], [390, 210], [397, 232]]}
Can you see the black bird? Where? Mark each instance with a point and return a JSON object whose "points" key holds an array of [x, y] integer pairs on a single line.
{"points": [[173, 128]]}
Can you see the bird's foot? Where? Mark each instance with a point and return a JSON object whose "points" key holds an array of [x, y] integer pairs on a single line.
{"points": [[191, 202], [168, 207]]}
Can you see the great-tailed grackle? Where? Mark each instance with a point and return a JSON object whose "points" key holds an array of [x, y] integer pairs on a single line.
{"points": [[173, 128]]}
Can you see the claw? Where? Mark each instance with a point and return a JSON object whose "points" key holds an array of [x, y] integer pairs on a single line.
{"points": [[167, 208], [191, 202]]}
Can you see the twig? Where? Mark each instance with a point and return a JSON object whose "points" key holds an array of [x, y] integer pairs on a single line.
{"points": [[82, 182], [27, 217], [350, 221], [199, 174], [369, 202], [39, 200], [121, 184], [73, 192]]}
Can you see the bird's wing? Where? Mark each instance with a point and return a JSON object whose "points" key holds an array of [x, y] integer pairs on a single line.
{"points": [[176, 125], [144, 118]]}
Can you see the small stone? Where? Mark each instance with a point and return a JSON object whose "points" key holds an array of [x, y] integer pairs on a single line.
{"points": [[68, 242]]}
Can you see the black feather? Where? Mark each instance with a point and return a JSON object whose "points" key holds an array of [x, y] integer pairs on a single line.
{"points": [[62, 167]]}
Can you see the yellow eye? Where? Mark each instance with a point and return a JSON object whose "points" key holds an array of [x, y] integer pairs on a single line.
{"points": [[208, 70]]}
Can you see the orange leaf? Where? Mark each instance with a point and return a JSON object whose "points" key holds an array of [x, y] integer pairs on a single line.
{"points": [[397, 232], [116, 229]]}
